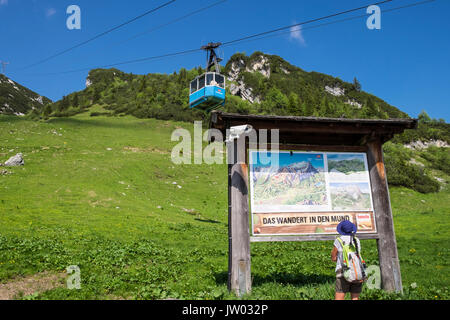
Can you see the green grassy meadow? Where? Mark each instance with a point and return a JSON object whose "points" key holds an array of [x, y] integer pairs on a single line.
{"points": [[100, 193]]}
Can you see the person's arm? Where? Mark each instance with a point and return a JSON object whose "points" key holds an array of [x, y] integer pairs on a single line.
{"points": [[334, 254]]}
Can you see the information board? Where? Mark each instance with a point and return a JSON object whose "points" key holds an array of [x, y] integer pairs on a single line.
{"points": [[309, 192]]}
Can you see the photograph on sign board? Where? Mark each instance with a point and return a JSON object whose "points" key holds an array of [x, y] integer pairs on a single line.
{"points": [[297, 184], [350, 196], [344, 167], [310, 193]]}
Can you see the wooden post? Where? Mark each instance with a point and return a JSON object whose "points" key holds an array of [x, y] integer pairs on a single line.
{"points": [[387, 244], [239, 274]]}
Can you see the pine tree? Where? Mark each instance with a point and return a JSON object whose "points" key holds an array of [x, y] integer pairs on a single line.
{"points": [[294, 102], [47, 110], [97, 96], [356, 85], [75, 101], [424, 117], [143, 84], [64, 104]]}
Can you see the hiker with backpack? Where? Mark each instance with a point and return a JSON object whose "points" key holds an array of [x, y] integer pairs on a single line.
{"points": [[350, 267]]}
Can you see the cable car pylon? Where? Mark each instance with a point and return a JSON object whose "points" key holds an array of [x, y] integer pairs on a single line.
{"points": [[207, 92], [211, 57]]}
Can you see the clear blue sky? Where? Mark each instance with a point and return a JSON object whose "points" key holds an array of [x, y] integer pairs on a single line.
{"points": [[406, 63], [286, 159]]}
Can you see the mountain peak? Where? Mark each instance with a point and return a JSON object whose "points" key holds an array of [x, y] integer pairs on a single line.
{"points": [[17, 100], [260, 78]]}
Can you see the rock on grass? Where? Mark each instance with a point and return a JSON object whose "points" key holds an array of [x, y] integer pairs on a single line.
{"points": [[15, 161]]}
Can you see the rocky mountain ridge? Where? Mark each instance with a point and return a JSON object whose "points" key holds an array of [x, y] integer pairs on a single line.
{"points": [[17, 100], [261, 77]]}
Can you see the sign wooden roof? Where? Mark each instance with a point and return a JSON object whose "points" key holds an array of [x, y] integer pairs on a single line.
{"points": [[317, 131]]}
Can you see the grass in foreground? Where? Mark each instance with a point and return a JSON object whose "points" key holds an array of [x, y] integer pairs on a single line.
{"points": [[100, 193]]}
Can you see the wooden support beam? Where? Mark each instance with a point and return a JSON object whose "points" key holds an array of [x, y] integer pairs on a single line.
{"points": [[239, 280], [387, 245]]}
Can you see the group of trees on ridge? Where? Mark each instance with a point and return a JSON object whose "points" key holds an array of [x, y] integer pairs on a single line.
{"points": [[288, 91]]}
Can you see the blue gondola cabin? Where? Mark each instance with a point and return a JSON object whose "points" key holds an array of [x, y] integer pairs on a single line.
{"points": [[207, 91]]}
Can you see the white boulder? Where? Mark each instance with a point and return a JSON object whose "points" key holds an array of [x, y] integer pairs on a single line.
{"points": [[15, 161]]}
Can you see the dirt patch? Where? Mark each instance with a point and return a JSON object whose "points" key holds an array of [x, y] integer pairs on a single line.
{"points": [[132, 149], [140, 150], [101, 203], [92, 194], [40, 282], [5, 172], [113, 297], [190, 211]]}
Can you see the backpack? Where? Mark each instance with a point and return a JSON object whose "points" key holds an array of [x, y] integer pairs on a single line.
{"points": [[354, 265]]}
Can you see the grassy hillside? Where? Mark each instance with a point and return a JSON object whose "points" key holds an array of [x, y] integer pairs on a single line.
{"points": [[264, 84], [100, 193]]}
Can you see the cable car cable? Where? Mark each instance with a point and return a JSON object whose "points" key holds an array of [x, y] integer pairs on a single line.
{"points": [[99, 35], [118, 43], [303, 23], [244, 39], [125, 62], [329, 23], [172, 21]]}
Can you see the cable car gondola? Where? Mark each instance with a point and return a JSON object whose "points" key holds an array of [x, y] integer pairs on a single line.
{"points": [[207, 92]]}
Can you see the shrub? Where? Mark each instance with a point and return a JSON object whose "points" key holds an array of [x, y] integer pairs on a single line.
{"points": [[439, 158], [402, 173], [97, 114]]}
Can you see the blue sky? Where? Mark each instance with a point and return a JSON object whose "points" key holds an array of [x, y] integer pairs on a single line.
{"points": [[406, 63], [286, 159]]}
